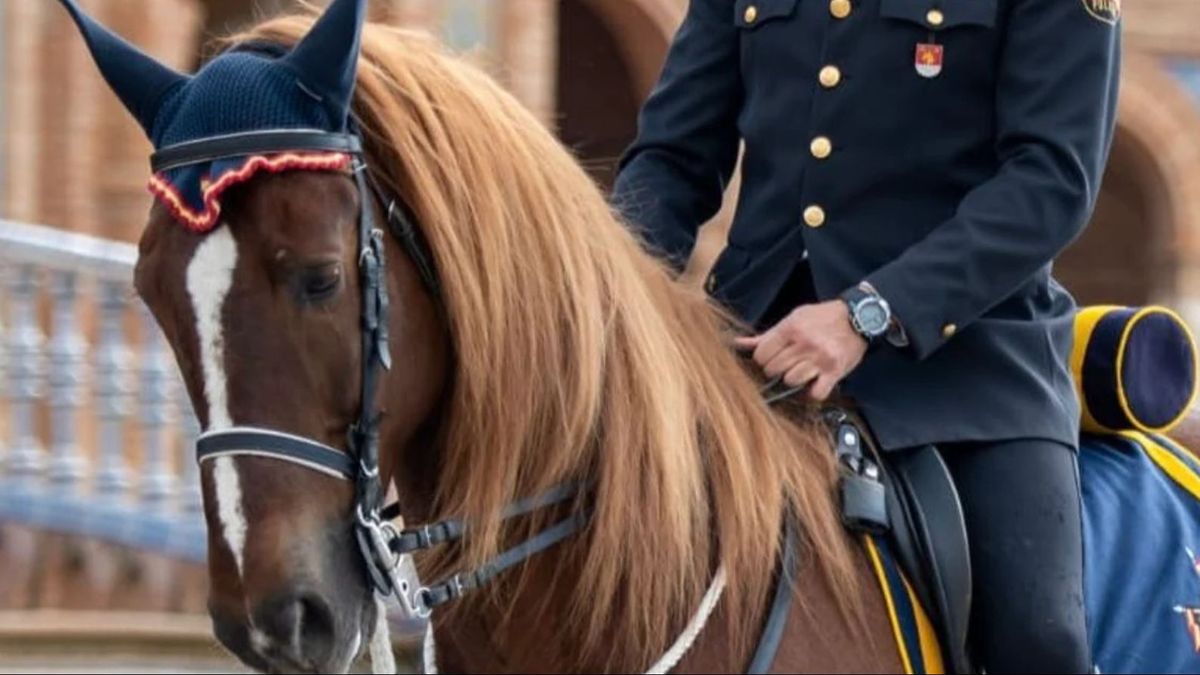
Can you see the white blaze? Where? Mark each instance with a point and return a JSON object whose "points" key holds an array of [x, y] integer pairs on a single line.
{"points": [[209, 277]]}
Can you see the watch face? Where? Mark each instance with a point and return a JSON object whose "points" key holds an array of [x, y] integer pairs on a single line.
{"points": [[872, 317]]}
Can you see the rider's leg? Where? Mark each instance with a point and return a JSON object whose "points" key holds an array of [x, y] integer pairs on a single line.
{"points": [[1023, 512]]}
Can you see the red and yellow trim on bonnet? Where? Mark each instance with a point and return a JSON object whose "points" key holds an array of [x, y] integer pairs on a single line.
{"points": [[207, 219]]}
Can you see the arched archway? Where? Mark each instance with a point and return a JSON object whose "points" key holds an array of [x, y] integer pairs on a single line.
{"points": [[643, 30], [1124, 256], [610, 54], [1143, 244]]}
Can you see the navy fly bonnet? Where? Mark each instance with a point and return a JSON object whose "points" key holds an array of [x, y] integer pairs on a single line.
{"points": [[243, 90]]}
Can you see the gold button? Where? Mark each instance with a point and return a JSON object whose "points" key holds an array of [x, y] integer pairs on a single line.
{"points": [[949, 330], [935, 17], [830, 77], [821, 147], [840, 9], [814, 216], [751, 14]]}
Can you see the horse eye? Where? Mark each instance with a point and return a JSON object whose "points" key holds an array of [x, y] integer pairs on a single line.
{"points": [[319, 282]]}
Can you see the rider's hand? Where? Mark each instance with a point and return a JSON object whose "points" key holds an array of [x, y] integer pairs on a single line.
{"points": [[814, 344]]}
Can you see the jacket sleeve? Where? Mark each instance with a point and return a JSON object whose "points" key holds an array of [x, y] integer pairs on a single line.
{"points": [[1055, 111], [672, 179]]}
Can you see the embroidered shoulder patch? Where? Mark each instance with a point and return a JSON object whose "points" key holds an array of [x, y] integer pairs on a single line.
{"points": [[1108, 11]]}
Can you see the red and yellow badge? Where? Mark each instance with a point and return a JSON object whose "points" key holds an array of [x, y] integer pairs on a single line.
{"points": [[1108, 11], [930, 58]]}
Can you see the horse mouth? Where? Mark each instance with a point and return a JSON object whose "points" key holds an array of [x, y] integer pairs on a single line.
{"points": [[270, 657]]}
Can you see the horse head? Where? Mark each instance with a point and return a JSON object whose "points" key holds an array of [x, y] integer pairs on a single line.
{"points": [[263, 315], [250, 263]]}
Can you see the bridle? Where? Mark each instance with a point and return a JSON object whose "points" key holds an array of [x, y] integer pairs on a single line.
{"points": [[384, 547]]}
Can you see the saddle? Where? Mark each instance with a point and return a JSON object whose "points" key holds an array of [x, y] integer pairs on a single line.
{"points": [[929, 538], [909, 498]]}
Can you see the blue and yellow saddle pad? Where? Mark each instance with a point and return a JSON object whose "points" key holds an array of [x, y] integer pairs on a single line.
{"points": [[1141, 495], [915, 637]]}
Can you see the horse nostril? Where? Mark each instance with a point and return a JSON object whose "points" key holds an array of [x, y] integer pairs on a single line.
{"points": [[298, 630], [316, 629]]}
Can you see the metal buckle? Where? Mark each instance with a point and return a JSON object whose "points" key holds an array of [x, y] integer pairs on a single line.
{"points": [[424, 599], [409, 589], [366, 254], [399, 570], [371, 472], [425, 537]]}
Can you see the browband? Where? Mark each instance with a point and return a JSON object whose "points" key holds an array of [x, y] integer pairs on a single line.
{"points": [[252, 143]]}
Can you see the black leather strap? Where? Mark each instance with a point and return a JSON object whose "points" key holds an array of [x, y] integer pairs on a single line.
{"points": [[781, 604], [376, 356], [428, 536], [400, 222], [252, 143], [777, 390], [250, 441], [457, 586], [441, 532]]}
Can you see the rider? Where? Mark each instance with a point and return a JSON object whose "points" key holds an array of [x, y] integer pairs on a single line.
{"points": [[910, 169]]}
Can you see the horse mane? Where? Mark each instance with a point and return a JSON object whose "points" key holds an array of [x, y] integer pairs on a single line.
{"points": [[578, 357]]}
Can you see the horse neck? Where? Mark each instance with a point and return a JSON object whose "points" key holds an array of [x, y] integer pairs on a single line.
{"points": [[523, 636]]}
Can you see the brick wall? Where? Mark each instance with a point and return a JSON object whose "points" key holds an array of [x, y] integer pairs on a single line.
{"points": [[72, 158], [70, 155], [1163, 26]]}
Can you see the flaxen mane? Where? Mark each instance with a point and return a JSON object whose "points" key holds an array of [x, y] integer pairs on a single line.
{"points": [[578, 357]]}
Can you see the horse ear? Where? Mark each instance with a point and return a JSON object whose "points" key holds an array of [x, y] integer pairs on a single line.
{"points": [[327, 58], [137, 79]]}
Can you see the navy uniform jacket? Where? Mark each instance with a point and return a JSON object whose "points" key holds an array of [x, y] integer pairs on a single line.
{"points": [[950, 194]]}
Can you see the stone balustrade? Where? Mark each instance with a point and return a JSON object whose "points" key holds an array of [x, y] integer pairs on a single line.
{"points": [[96, 437]]}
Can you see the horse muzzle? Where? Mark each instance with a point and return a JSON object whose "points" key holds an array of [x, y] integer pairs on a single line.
{"points": [[299, 631]]}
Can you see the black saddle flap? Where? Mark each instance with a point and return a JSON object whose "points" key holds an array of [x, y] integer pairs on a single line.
{"points": [[930, 540]]}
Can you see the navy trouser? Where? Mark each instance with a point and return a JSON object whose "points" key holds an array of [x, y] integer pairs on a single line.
{"points": [[1024, 523]]}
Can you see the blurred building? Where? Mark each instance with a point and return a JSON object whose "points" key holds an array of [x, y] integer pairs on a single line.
{"points": [[70, 158]]}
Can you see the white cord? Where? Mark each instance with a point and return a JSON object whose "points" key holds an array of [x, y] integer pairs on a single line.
{"points": [[383, 660], [664, 665], [429, 651], [692, 631]]}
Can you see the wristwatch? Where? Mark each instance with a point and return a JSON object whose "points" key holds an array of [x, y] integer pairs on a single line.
{"points": [[870, 314]]}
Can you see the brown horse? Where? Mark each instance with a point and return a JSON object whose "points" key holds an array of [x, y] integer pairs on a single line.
{"points": [[557, 351]]}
